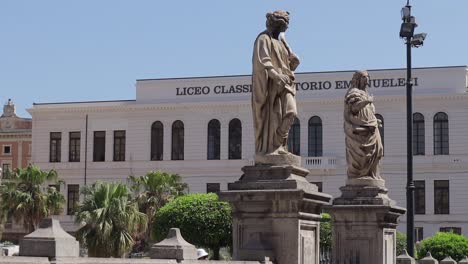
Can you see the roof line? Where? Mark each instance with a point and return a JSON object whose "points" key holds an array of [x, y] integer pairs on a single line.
{"points": [[84, 102], [243, 75]]}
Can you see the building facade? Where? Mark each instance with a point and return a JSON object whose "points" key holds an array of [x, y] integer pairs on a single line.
{"points": [[15, 151], [201, 128], [15, 139]]}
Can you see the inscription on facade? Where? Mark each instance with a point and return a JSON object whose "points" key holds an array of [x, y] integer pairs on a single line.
{"points": [[300, 86]]}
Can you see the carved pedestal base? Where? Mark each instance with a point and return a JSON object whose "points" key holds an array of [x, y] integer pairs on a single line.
{"points": [[364, 224], [276, 214]]}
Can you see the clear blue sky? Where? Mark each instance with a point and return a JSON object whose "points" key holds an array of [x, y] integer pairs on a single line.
{"points": [[56, 50]]}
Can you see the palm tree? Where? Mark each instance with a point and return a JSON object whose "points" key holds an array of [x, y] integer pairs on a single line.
{"points": [[26, 200], [153, 190], [109, 219]]}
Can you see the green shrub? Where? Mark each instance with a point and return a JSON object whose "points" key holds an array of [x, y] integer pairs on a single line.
{"points": [[325, 231], [444, 244], [203, 221], [400, 243]]}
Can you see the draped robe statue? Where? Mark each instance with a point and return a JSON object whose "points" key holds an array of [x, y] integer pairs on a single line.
{"points": [[273, 90], [363, 143]]}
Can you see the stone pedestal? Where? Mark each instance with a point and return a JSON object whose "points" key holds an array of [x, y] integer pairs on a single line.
{"points": [[49, 240], [276, 214], [364, 221], [405, 259], [173, 247]]}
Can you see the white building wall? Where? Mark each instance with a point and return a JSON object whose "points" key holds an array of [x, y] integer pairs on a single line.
{"points": [[438, 90]]}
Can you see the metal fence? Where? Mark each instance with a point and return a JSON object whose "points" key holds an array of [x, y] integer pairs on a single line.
{"points": [[325, 256]]}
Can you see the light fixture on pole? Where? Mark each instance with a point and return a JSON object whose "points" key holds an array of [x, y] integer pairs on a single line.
{"points": [[412, 40]]}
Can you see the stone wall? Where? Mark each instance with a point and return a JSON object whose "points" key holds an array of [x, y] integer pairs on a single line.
{"points": [[35, 260]]}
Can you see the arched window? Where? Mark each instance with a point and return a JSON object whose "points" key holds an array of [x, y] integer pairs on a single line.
{"points": [[294, 138], [214, 135], [177, 140], [441, 134], [418, 134], [157, 141], [381, 129], [315, 137], [235, 139]]}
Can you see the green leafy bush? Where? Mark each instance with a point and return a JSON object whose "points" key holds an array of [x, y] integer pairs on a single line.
{"points": [[400, 243], [444, 244], [325, 232], [203, 221]]}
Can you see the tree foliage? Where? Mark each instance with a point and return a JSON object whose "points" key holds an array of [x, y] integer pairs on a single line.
{"points": [[203, 220], [400, 243], [325, 232], [444, 244], [110, 219], [154, 190], [26, 200]]}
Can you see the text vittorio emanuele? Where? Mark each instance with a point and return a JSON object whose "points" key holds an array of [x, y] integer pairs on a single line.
{"points": [[300, 86]]}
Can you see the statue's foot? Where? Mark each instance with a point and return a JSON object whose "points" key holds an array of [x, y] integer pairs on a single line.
{"points": [[280, 151]]}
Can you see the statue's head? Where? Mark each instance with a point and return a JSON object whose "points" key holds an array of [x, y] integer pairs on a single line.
{"points": [[277, 21], [360, 80]]}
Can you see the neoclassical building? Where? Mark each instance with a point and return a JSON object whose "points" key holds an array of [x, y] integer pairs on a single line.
{"points": [[201, 128], [15, 139], [15, 150]]}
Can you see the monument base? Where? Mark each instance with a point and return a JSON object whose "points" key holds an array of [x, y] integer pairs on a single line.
{"points": [[273, 159], [49, 240], [276, 214], [364, 221]]}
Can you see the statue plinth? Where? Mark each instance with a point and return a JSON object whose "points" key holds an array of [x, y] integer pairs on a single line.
{"points": [[366, 181], [276, 213], [364, 221], [273, 159]]}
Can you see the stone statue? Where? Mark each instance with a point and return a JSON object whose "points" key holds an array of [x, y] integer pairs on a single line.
{"points": [[273, 90], [364, 147]]}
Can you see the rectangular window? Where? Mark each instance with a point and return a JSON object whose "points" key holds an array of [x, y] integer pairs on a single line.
{"points": [[73, 198], [99, 146], [119, 145], [55, 146], [213, 187], [455, 230], [74, 147], [319, 185], [420, 197], [418, 233], [6, 170], [6, 149], [441, 197]]}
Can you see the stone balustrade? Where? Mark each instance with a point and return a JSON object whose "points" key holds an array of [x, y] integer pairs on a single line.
{"points": [[50, 244], [428, 259]]}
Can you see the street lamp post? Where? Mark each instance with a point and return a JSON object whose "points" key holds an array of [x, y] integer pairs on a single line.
{"points": [[412, 40]]}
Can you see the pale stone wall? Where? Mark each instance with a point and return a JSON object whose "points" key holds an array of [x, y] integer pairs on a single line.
{"points": [[438, 90]]}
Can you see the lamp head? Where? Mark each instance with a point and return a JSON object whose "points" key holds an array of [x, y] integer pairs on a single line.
{"points": [[418, 40], [407, 29], [405, 13]]}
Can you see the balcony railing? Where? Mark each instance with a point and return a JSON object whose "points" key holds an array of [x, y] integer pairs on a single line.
{"points": [[319, 163]]}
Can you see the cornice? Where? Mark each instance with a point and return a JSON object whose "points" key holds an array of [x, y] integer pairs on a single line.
{"points": [[236, 104], [15, 135]]}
